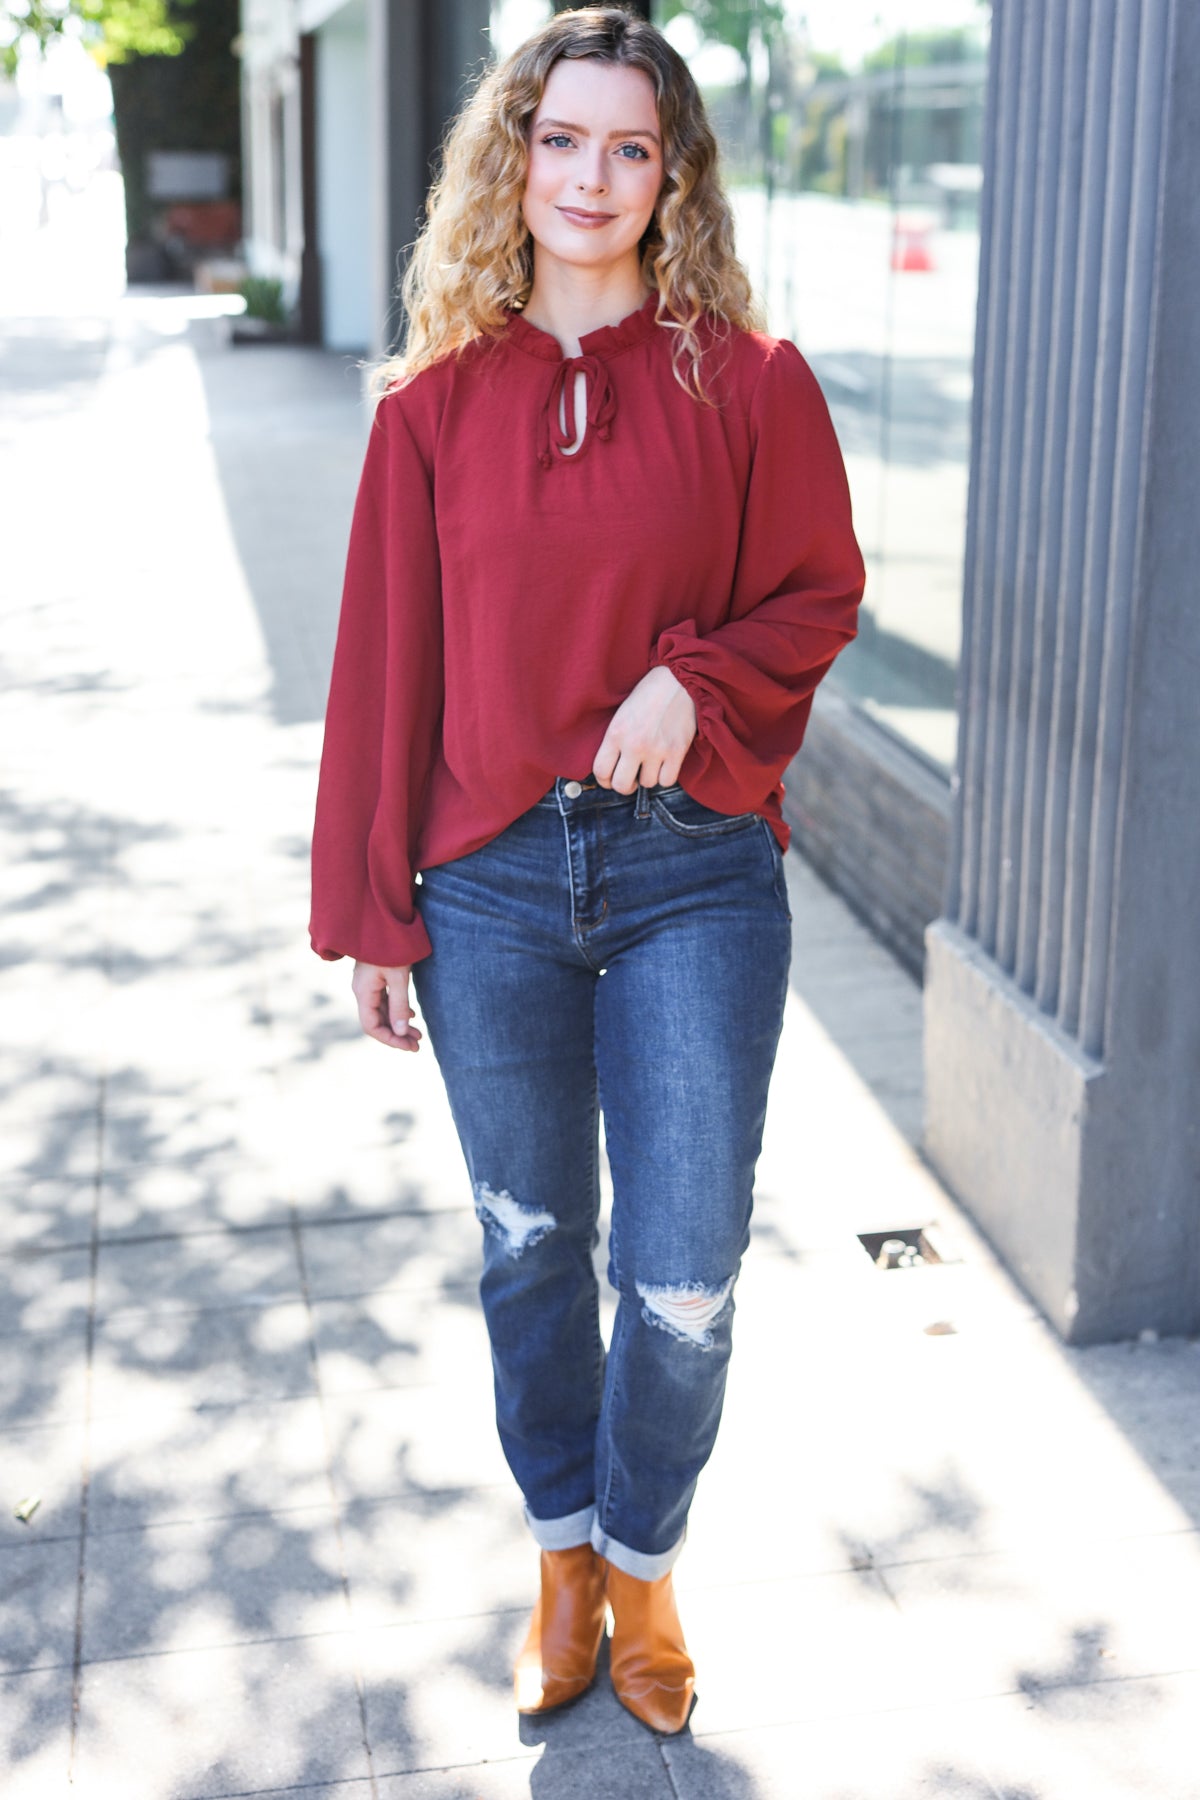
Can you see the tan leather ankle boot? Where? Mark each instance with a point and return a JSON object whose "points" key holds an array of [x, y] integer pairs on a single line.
{"points": [[652, 1673], [557, 1661]]}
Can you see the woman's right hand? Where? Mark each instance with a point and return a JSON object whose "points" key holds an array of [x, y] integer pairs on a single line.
{"points": [[383, 1008]]}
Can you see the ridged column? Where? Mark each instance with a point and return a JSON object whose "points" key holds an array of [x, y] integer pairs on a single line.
{"points": [[1056, 1058]]}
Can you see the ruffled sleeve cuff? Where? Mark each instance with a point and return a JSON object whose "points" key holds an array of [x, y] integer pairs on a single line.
{"points": [[385, 943], [680, 649]]}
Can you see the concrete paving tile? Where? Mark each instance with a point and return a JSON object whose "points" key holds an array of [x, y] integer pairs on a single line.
{"points": [[48, 1212], [1114, 1740], [389, 1442], [925, 1754], [825, 1207], [840, 959], [403, 1251], [154, 1467], [858, 1174], [1062, 1615], [133, 1090], [37, 1089], [32, 1032], [871, 1020], [378, 1178], [838, 1645], [635, 1772], [43, 1375], [220, 1721], [42, 1290], [173, 1358], [440, 1694], [394, 1339], [46, 1462], [198, 1130], [837, 1296], [1151, 1392], [438, 1555], [1135, 1378], [58, 1146], [38, 1583], [395, 1141], [740, 1529], [974, 1466], [228, 1041], [196, 1196], [168, 928], [35, 1735], [218, 1268], [213, 1581], [905, 1110]]}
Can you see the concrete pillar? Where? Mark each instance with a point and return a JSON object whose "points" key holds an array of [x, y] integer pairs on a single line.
{"points": [[1063, 983], [422, 56]]}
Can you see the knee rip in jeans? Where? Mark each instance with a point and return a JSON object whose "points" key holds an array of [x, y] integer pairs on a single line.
{"points": [[688, 1312], [515, 1224]]}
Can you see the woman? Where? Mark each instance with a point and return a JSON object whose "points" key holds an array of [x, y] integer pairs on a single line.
{"points": [[601, 556]]}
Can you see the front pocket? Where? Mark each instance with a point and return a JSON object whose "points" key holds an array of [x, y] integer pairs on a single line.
{"points": [[690, 818]]}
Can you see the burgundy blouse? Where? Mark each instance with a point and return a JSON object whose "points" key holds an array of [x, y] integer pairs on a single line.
{"points": [[502, 597]]}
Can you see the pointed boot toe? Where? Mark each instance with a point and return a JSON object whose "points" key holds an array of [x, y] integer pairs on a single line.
{"points": [[557, 1661], [652, 1674]]}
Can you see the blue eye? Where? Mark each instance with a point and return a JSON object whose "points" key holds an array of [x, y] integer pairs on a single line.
{"points": [[560, 135], [642, 154]]}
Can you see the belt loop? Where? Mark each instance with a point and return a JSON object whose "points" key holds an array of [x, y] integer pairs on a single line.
{"points": [[642, 809]]}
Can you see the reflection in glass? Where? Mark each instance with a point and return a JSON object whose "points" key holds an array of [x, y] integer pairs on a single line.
{"points": [[851, 139]]}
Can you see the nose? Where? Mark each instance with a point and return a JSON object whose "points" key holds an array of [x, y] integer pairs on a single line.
{"points": [[591, 175]]}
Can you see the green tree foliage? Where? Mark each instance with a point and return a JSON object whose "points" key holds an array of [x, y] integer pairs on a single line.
{"points": [[739, 23], [927, 49], [114, 31]]}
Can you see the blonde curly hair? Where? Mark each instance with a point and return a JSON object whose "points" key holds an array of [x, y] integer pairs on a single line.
{"points": [[474, 255]]}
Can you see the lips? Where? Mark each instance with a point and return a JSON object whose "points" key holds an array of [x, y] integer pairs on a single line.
{"points": [[589, 219]]}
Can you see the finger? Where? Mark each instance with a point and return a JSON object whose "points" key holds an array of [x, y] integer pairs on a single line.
{"points": [[383, 1034], [399, 1011], [369, 994], [371, 986], [625, 776], [605, 763]]}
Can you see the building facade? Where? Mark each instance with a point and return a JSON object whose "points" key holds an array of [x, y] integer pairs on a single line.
{"points": [[343, 106]]}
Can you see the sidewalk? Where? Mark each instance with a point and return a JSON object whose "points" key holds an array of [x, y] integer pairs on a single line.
{"points": [[276, 1548]]}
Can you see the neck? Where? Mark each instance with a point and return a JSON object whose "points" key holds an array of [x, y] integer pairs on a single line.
{"points": [[569, 302]]}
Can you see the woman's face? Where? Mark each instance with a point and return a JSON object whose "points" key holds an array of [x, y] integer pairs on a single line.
{"points": [[595, 163]]}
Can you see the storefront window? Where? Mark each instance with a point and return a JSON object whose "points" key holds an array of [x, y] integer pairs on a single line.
{"points": [[851, 137]]}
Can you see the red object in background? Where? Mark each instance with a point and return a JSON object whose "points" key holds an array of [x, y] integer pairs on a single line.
{"points": [[912, 248], [205, 224]]}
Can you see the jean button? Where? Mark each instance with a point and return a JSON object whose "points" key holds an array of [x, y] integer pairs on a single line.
{"points": [[573, 789]]}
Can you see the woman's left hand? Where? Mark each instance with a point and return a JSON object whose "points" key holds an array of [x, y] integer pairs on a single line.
{"points": [[648, 736]]}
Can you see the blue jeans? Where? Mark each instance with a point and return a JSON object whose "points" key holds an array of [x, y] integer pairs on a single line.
{"points": [[630, 954]]}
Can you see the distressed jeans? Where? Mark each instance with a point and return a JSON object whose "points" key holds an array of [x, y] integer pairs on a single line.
{"points": [[624, 954]]}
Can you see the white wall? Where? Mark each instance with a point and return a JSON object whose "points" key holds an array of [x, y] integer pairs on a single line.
{"points": [[344, 178]]}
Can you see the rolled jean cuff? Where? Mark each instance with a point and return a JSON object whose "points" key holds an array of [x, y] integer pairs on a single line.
{"points": [[562, 1534], [635, 1562]]}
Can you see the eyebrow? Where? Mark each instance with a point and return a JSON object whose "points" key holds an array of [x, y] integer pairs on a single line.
{"points": [[583, 130]]}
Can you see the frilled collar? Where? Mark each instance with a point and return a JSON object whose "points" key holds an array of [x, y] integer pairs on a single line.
{"points": [[597, 348], [606, 340]]}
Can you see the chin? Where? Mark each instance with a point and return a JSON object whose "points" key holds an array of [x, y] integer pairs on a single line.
{"points": [[577, 249]]}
